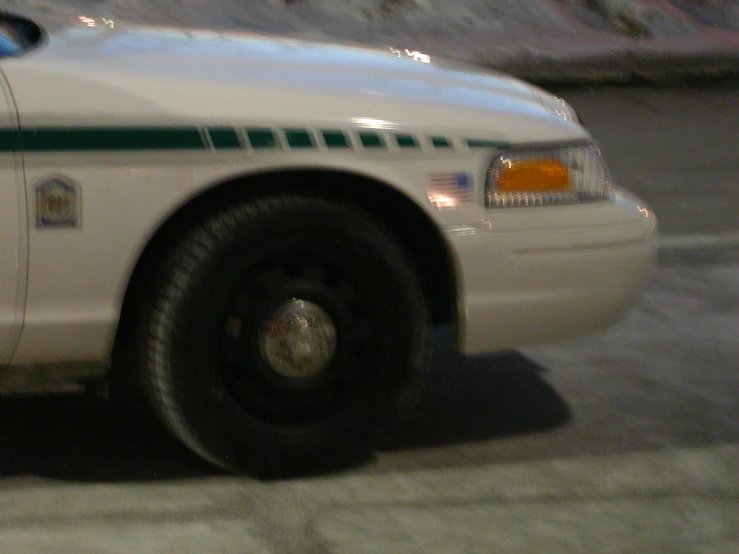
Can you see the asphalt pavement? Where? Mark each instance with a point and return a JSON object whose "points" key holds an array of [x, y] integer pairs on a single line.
{"points": [[675, 147], [623, 441]]}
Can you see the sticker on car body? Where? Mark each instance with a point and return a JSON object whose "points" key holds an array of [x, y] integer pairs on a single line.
{"points": [[448, 190], [57, 204]]}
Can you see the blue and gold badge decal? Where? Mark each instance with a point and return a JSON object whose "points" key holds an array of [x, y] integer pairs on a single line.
{"points": [[57, 204]]}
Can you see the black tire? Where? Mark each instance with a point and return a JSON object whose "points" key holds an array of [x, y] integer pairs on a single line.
{"points": [[206, 375]]}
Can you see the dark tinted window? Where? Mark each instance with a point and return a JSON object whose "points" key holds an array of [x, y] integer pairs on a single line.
{"points": [[17, 34]]}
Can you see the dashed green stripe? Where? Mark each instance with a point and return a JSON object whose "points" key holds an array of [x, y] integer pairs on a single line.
{"points": [[224, 137], [299, 138], [483, 143], [52, 139], [262, 138], [335, 139], [406, 141], [441, 142], [371, 140]]}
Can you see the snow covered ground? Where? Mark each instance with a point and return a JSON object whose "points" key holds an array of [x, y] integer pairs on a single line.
{"points": [[554, 38]]}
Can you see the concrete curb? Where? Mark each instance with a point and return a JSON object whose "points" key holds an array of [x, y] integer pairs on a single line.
{"points": [[722, 249], [629, 67], [684, 243]]}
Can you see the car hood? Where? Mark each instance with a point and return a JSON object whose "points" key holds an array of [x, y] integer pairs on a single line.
{"points": [[97, 71]]}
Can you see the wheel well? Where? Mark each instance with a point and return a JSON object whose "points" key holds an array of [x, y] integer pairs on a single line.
{"points": [[414, 229]]}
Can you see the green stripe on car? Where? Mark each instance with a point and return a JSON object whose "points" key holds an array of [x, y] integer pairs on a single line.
{"points": [[406, 141], [484, 143], [9, 140], [299, 138], [96, 138], [73, 139], [335, 139], [371, 140], [441, 142], [262, 138], [224, 137]]}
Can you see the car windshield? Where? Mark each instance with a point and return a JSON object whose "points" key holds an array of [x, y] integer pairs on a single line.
{"points": [[17, 35]]}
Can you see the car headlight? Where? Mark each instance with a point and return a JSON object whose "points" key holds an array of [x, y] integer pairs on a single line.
{"points": [[542, 176]]}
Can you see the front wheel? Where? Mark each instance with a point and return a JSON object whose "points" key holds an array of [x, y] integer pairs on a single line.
{"points": [[283, 333]]}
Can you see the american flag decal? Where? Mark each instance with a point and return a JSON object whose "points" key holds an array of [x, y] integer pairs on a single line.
{"points": [[448, 190]]}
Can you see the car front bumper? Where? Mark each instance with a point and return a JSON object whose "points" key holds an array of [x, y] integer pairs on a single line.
{"points": [[542, 274]]}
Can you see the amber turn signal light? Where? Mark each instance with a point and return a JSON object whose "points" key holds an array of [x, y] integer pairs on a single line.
{"points": [[534, 176]]}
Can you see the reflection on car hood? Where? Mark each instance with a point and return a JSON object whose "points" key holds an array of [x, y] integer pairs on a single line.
{"points": [[104, 66]]}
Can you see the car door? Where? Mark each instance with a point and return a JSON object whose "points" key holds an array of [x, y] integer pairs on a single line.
{"points": [[13, 230]]}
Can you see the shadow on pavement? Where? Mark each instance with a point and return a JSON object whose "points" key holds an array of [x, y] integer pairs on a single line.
{"points": [[78, 438], [477, 399]]}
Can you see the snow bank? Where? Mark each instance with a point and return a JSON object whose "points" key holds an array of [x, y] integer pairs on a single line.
{"points": [[498, 33]]}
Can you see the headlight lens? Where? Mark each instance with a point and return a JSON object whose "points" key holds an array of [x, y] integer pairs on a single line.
{"points": [[567, 174]]}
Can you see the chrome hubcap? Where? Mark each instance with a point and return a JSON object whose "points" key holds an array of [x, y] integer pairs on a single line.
{"points": [[298, 340]]}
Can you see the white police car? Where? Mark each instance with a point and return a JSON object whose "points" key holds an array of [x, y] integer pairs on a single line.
{"points": [[259, 233]]}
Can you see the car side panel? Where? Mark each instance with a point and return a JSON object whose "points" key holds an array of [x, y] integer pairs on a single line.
{"points": [[78, 276], [12, 228]]}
